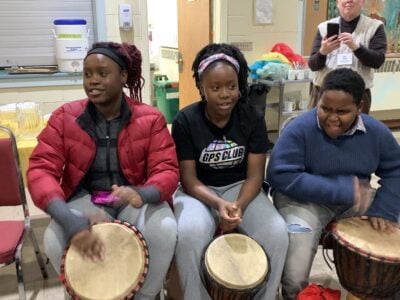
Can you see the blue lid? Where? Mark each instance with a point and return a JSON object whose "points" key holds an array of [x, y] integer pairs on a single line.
{"points": [[70, 22]]}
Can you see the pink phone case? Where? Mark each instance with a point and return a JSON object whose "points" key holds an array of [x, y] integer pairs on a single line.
{"points": [[104, 198]]}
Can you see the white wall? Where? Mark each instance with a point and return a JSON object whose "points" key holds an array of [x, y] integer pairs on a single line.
{"points": [[163, 20], [61, 94], [139, 35], [234, 21]]}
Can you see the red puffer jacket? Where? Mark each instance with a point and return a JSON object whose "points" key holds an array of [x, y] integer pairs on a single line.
{"points": [[65, 152]]}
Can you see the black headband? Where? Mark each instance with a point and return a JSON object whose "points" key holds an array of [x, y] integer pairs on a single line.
{"points": [[109, 52]]}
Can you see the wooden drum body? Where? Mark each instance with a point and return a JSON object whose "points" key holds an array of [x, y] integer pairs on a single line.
{"points": [[367, 261], [119, 275], [235, 267]]}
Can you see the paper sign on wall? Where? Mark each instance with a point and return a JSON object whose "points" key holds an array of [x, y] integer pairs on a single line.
{"points": [[263, 13]]}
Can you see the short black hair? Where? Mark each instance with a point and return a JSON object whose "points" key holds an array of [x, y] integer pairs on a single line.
{"points": [[227, 49], [346, 80]]}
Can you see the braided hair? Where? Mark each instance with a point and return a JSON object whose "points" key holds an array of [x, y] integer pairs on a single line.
{"points": [[132, 58], [231, 51]]}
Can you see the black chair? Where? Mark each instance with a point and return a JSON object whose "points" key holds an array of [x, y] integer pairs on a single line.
{"points": [[258, 96]]}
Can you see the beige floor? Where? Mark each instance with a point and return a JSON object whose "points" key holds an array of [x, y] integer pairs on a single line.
{"points": [[52, 289]]}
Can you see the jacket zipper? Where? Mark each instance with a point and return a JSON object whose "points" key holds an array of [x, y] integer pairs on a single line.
{"points": [[108, 153]]}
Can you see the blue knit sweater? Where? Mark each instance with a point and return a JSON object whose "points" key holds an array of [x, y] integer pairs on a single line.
{"points": [[309, 166]]}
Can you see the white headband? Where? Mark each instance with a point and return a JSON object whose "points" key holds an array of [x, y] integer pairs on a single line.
{"points": [[219, 56]]}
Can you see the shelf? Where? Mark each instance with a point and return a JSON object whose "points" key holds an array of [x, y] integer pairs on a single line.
{"points": [[278, 106], [282, 82], [293, 112]]}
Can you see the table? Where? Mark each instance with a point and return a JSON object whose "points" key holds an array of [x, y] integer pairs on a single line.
{"points": [[25, 148]]}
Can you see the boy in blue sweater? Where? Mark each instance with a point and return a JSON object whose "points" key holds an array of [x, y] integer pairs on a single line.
{"points": [[321, 167]]}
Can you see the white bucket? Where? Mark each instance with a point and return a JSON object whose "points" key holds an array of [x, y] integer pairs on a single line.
{"points": [[70, 54], [70, 29], [72, 44]]}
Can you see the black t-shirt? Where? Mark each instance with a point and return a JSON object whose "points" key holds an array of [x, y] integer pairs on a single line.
{"points": [[220, 153]]}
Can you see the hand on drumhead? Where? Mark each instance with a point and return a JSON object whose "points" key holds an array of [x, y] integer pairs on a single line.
{"points": [[362, 196], [89, 245], [97, 217], [126, 194], [381, 224]]}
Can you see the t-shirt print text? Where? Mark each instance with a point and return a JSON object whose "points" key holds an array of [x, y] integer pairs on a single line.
{"points": [[221, 154]]}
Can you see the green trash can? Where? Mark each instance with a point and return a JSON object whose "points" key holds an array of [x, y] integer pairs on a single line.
{"points": [[167, 96]]}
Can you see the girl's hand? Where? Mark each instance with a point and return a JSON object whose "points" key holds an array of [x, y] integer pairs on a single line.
{"points": [[230, 216], [126, 194], [88, 245]]}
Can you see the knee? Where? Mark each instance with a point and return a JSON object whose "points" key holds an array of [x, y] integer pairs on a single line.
{"points": [[193, 235], [54, 244], [165, 235], [301, 245], [279, 232]]}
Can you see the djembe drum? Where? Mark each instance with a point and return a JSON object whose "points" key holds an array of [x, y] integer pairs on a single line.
{"points": [[119, 275], [367, 261], [235, 267]]}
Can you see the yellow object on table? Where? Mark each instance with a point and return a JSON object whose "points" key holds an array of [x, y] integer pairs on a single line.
{"points": [[25, 148]]}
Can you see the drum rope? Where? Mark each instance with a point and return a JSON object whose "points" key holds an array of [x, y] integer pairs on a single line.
{"points": [[328, 260]]}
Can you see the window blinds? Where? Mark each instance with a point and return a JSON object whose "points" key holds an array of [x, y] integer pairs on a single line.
{"points": [[26, 38]]}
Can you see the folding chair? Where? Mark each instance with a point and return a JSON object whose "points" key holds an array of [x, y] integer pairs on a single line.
{"points": [[12, 193]]}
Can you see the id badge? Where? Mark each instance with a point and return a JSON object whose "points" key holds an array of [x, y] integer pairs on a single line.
{"points": [[344, 59]]}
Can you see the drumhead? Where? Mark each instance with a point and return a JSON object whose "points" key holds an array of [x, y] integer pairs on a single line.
{"points": [[358, 235], [121, 272], [236, 261]]}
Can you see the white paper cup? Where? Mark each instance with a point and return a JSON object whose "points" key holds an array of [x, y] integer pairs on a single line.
{"points": [[300, 74], [292, 74], [288, 106], [303, 104]]}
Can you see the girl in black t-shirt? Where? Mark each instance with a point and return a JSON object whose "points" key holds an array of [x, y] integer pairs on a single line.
{"points": [[222, 143]]}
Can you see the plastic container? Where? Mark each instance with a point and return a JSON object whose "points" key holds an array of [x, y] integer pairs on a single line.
{"points": [[167, 96], [70, 54], [72, 44], [70, 28]]}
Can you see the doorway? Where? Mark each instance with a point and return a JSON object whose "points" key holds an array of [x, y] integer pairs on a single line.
{"points": [[178, 29]]}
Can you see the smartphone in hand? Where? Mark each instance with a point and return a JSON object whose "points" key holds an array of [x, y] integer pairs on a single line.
{"points": [[332, 29], [104, 198]]}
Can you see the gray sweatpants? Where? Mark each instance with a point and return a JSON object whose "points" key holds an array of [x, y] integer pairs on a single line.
{"points": [[197, 224], [155, 221]]}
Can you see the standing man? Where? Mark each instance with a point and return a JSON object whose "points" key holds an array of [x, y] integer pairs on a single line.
{"points": [[360, 45]]}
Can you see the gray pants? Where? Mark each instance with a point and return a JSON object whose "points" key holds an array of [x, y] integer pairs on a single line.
{"points": [[197, 224], [155, 222], [305, 222]]}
